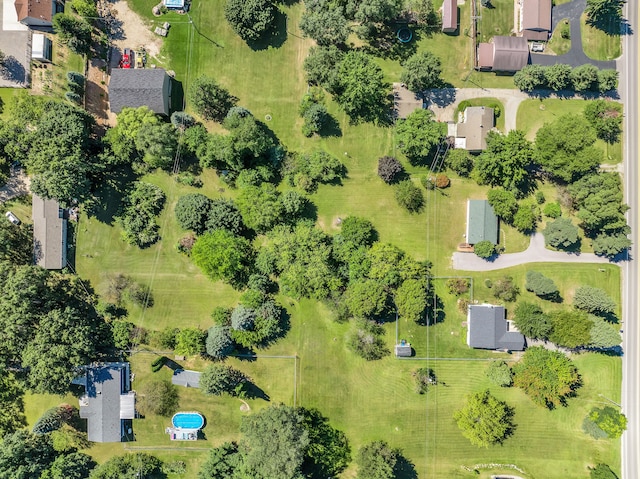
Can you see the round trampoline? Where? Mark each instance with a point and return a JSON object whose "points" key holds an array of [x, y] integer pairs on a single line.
{"points": [[405, 35], [188, 420]]}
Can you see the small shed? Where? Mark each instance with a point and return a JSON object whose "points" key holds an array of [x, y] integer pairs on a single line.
{"points": [[482, 222], [186, 378], [174, 4], [41, 48], [403, 350], [449, 16]]}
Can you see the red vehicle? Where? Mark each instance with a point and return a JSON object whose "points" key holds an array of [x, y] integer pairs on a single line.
{"points": [[127, 58]]}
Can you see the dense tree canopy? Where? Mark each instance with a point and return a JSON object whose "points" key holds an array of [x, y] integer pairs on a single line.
{"points": [[377, 460], [570, 328], [419, 135], [324, 21], [210, 100], [251, 19], [122, 137], [499, 373], [366, 298], [412, 298], [129, 466], [76, 465], [321, 67], [564, 148], [611, 421], [73, 31], [219, 343], [421, 72], [561, 234], [606, 118], [261, 207], [157, 144], [604, 14], [24, 455], [141, 206], [12, 415], [548, 377], [506, 162], [307, 170], [192, 212], [485, 420], [361, 89], [222, 255], [16, 243], [503, 202], [531, 321]]}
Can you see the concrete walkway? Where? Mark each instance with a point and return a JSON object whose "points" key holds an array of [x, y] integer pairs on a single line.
{"points": [[535, 253]]}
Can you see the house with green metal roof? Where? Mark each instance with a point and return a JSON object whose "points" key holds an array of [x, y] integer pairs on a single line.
{"points": [[482, 222]]}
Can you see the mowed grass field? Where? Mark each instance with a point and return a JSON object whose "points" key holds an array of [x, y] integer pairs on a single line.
{"points": [[598, 44], [532, 114], [367, 400]]}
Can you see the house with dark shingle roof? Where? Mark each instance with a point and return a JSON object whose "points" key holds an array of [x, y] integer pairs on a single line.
{"points": [[487, 328], [49, 233], [108, 402], [482, 222], [136, 87]]}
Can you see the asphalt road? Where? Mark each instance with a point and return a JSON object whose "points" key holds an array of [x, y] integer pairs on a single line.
{"points": [[628, 66]]}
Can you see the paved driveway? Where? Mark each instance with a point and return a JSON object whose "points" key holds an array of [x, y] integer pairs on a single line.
{"points": [[575, 56], [535, 253], [15, 43]]}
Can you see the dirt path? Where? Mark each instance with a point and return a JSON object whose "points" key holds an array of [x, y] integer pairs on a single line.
{"points": [[135, 32]]}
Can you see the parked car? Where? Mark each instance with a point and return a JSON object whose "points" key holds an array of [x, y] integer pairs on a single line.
{"points": [[13, 218]]}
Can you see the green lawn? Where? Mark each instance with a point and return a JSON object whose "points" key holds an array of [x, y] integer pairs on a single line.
{"points": [[368, 400], [532, 114], [598, 44], [497, 20], [557, 44]]}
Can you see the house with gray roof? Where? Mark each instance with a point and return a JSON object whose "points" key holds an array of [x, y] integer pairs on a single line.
{"points": [[136, 87], [487, 328], [108, 403], [49, 233], [471, 133], [503, 54], [482, 222]]}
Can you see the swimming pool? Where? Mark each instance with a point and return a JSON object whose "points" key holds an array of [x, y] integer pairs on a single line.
{"points": [[188, 420]]}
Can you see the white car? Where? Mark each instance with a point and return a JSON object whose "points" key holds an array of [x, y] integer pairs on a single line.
{"points": [[13, 218]]}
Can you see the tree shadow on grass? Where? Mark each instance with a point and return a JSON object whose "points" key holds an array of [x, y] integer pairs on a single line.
{"points": [[107, 198], [252, 391], [274, 38], [385, 42], [330, 128], [404, 469]]}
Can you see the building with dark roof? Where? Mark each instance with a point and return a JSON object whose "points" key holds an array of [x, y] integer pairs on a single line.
{"points": [[503, 54], [186, 378], [49, 233], [482, 222], [403, 349], [37, 13], [449, 16], [471, 133], [487, 328], [108, 402], [136, 87], [535, 19]]}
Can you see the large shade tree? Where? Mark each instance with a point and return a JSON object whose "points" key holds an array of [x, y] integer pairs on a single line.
{"points": [[485, 420]]}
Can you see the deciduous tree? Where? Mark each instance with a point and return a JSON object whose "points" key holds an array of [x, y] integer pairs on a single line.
{"points": [[218, 379], [418, 135], [222, 255], [606, 118], [411, 299], [503, 202], [421, 72], [250, 19], [485, 249], [377, 460], [548, 377], [409, 196], [325, 22], [158, 397], [499, 373], [485, 420]]}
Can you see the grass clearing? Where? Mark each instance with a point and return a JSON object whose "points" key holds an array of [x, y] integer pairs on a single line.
{"points": [[598, 44], [532, 114], [557, 44], [495, 20], [367, 400]]}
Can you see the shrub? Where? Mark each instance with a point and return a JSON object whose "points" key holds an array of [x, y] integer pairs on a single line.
{"points": [[409, 196], [565, 30], [499, 373], [540, 199], [458, 285], [552, 210], [427, 182], [505, 289], [73, 97], [366, 341], [190, 341], [484, 249], [609, 420], [182, 120], [75, 77], [541, 286], [460, 161], [167, 337], [50, 421], [389, 169], [423, 378], [189, 179], [157, 364], [442, 181]]}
